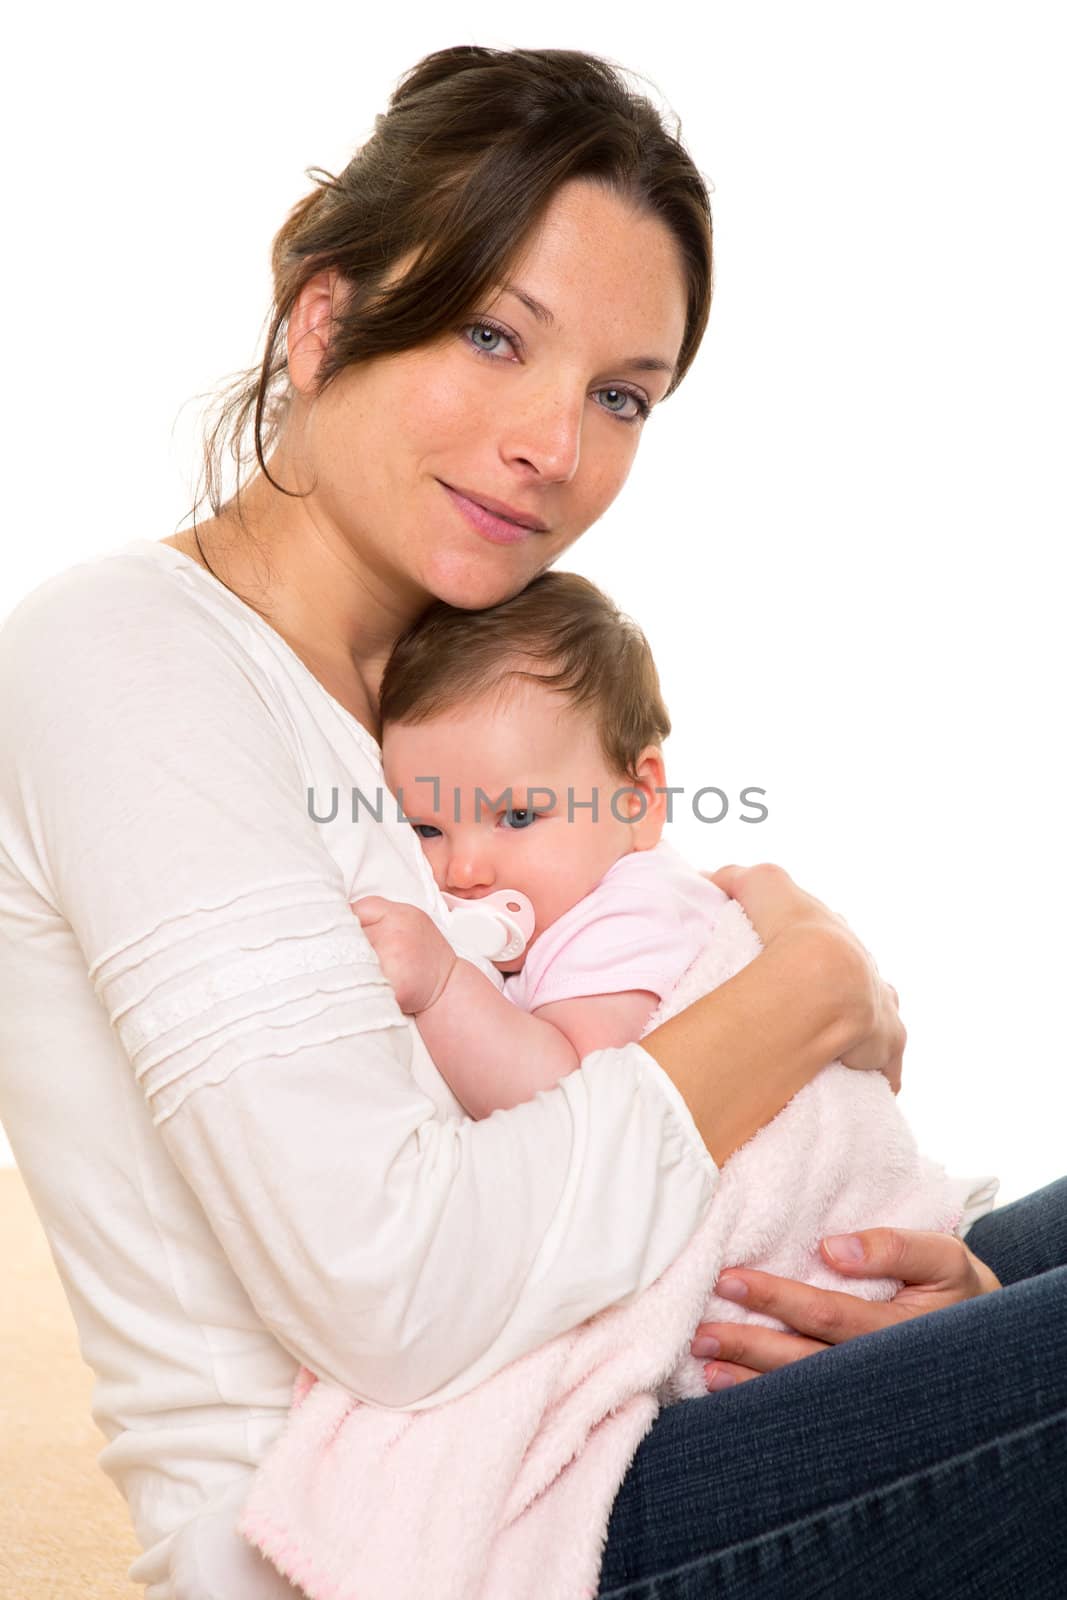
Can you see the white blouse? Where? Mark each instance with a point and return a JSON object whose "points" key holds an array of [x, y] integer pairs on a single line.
{"points": [[240, 1149]]}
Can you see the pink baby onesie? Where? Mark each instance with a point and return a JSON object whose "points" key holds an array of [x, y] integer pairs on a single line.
{"points": [[641, 927]]}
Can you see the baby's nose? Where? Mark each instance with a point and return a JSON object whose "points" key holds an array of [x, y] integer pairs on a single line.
{"points": [[470, 869]]}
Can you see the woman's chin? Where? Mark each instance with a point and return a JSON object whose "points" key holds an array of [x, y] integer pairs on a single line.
{"points": [[474, 588]]}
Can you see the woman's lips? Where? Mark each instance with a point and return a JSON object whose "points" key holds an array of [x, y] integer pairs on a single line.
{"points": [[498, 530]]}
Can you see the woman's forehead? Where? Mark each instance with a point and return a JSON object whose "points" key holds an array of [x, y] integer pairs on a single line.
{"points": [[594, 250]]}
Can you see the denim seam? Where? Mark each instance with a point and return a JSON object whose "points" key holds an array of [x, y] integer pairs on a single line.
{"points": [[951, 1463]]}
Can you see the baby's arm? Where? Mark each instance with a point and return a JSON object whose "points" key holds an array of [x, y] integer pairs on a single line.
{"points": [[495, 1055], [492, 1054]]}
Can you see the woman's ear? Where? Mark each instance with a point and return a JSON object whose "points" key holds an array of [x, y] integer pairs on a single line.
{"points": [[310, 327]]}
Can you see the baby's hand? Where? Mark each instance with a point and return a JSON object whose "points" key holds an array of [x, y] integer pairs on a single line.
{"points": [[414, 954]]}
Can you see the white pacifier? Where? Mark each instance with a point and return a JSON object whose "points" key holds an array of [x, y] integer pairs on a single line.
{"points": [[497, 926]]}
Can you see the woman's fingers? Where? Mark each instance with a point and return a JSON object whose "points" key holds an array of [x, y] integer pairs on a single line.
{"points": [[745, 1349], [769, 897], [934, 1264], [777, 906], [825, 1315], [914, 1256], [936, 1269], [882, 1049], [725, 878]]}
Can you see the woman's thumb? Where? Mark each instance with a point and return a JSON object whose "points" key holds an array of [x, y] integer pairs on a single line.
{"points": [[911, 1254], [726, 879], [845, 1250]]}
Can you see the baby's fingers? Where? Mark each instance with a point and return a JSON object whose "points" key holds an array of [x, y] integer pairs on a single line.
{"points": [[371, 909]]}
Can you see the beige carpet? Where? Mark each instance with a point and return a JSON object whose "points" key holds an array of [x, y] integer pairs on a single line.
{"points": [[64, 1530]]}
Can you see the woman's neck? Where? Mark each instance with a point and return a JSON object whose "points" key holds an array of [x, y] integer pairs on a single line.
{"points": [[337, 614]]}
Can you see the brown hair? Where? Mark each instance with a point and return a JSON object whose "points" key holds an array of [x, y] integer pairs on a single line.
{"points": [[599, 655], [460, 169]]}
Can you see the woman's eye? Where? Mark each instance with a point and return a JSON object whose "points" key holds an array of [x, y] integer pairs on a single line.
{"points": [[520, 818], [483, 336], [642, 406], [426, 830]]}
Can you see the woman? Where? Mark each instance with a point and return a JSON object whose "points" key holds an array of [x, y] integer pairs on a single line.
{"points": [[242, 1156]]}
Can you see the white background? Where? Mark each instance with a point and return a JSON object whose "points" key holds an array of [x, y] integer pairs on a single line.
{"points": [[842, 535]]}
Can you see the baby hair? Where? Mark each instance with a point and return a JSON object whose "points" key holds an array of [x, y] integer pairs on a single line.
{"points": [[562, 630]]}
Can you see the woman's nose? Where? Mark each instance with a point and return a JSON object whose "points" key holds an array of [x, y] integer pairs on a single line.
{"points": [[549, 434]]}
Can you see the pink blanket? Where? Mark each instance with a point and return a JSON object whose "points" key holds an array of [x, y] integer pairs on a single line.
{"points": [[505, 1493]]}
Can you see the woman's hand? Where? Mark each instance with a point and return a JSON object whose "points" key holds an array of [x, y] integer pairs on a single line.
{"points": [[779, 908], [412, 951], [936, 1270]]}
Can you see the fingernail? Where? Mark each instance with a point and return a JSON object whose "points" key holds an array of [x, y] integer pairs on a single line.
{"points": [[846, 1247], [732, 1288], [705, 1346], [719, 1380]]}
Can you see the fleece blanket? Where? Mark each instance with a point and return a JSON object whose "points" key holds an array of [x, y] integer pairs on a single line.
{"points": [[505, 1493]]}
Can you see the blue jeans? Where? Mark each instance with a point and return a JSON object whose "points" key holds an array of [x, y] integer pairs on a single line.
{"points": [[924, 1462]]}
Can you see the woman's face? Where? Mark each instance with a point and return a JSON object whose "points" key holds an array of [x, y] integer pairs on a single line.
{"points": [[541, 416]]}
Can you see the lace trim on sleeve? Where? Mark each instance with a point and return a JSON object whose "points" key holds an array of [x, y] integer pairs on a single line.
{"points": [[266, 974]]}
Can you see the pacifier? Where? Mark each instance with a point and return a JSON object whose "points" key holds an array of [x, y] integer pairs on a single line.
{"points": [[497, 926]]}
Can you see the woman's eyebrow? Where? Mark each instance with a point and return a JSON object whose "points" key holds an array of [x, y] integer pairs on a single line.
{"points": [[540, 311], [543, 314]]}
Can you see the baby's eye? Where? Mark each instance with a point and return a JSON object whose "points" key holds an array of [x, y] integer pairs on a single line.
{"points": [[520, 818], [426, 830]]}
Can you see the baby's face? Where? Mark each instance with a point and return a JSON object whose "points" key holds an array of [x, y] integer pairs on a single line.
{"points": [[550, 847]]}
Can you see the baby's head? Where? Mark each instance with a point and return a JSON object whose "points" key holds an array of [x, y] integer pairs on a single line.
{"points": [[525, 742]]}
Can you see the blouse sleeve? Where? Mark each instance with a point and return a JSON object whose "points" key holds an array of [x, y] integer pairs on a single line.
{"points": [[404, 1255]]}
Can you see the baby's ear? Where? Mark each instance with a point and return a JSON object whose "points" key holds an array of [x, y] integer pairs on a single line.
{"points": [[648, 802]]}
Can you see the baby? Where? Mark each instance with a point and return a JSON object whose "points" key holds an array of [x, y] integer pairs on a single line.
{"points": [[524, 742]]}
